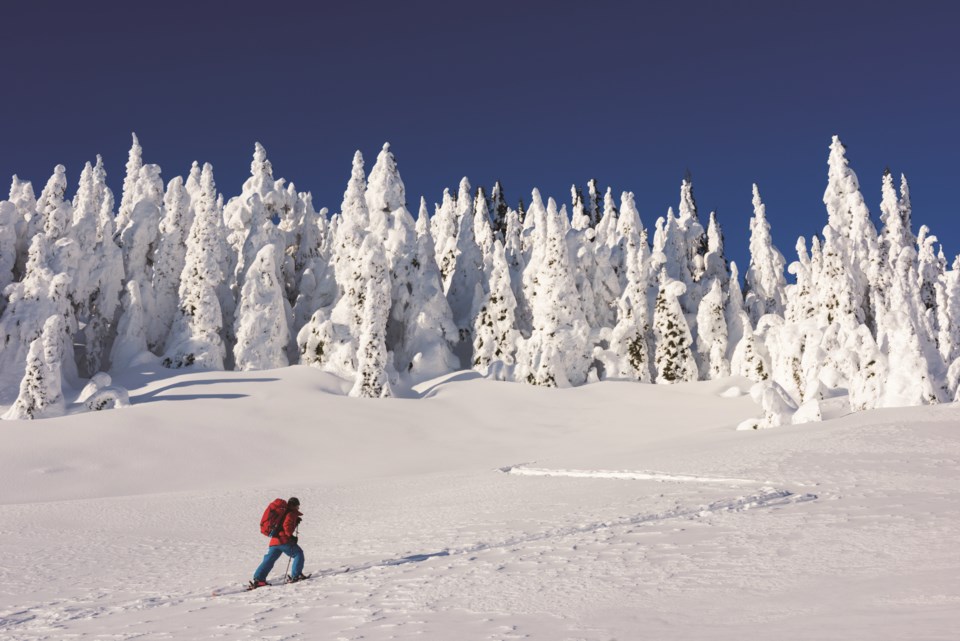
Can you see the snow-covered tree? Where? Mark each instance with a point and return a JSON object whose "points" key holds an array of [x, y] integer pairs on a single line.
{"points": [[712, 334], [8, 246], [917, 373], [261, 327], [429, 330], [580, 218], [346, 256], [482, 227], [54, 213], [195, 338], [372, 357], [674, 356], [468, 267], [715, 264], [23, 198], [127, 202], [855, 237], [169, 258], [765, 283], [139, 239], [498, 209], [557, 352], [41, 390], [749, 359], [629, 352], [494, 331], [131, 341]]}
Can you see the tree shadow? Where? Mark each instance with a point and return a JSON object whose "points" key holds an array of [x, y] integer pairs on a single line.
{"points": [[467, 375], [153, 395]]}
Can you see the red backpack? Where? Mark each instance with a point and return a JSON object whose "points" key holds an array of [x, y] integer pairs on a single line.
{"points": [[272, 519]]}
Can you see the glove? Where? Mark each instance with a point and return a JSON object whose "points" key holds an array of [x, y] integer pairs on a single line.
{"points": [[294, 540], [298, 520]]}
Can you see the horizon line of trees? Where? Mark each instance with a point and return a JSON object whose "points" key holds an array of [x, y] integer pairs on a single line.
{"points": [[532, 294]]}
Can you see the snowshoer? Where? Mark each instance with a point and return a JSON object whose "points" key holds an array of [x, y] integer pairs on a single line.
{"points": [[280, 522]]}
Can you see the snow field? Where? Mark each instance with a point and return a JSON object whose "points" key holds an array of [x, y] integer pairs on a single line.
{"points": [[123, 529]]}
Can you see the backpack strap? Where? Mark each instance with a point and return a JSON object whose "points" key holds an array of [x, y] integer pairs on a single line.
{"points": [[279, 526]]}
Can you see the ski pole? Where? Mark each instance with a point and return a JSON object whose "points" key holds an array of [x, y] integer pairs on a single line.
{"points": [[296, 533]]}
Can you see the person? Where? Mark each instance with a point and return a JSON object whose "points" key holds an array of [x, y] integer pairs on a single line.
{"points": [[285, 542]]}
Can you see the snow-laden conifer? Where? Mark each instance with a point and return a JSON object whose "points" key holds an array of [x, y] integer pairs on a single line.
{"points": [[195, 338], [42, 293], [733, 311], [629, 353], [346, 254], [916, 369], [8, 246], [498, 209], [23, 198], [373, 365], [41, 390], [765, 282], [580, 218], [948, 308], [749, 358], [330, 339], [482, 228], [674, 356], [54, 213], [712, 334], [557, 352], [855, 238], [169, 258], [607, 225], [694, 246], [131, 341], [443, 228], [134, 164], [261, 326], [628, 231], [97, 272], [594, 202], [513, 252], [494, 331], [428, 327], [715, 264], [869, 369], [468, 267], [316, 285], [139, 239]]}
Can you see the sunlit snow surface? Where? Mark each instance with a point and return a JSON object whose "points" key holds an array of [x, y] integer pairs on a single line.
{"points": [[480, 510]]}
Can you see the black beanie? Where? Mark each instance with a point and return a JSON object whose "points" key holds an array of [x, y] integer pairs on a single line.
{"points": [[293, 501]]}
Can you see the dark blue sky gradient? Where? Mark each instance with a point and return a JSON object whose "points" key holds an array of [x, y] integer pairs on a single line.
{"points": [[534, 93]]}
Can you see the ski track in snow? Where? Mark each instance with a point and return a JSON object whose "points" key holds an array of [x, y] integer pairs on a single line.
{"points": [[523, 470], [52, 616]]}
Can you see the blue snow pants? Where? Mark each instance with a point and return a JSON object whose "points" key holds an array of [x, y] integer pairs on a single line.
{"points": [[273, 553]]}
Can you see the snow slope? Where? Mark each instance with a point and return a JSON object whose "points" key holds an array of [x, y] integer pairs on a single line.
{"points": [[480, 510]]}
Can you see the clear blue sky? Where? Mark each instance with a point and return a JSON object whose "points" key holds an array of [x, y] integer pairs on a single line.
{"points": [[538, 94]]}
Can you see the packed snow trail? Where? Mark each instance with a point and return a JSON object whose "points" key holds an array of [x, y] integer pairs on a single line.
{"points": [[523, 470]]}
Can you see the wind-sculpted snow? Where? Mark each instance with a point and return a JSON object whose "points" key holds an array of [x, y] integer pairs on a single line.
{"points": [[530, 294]]}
